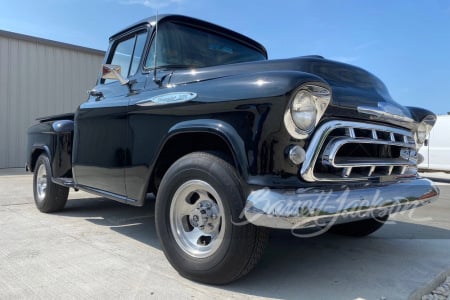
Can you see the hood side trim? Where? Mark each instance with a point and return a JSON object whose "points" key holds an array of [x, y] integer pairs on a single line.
{"points": [[380, 115]]}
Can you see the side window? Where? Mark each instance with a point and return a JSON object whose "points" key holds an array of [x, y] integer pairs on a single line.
{"points": [[127, 55], [138, 51]]}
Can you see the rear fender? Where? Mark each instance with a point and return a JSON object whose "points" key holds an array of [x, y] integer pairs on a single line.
{"points": [[53, 138]]}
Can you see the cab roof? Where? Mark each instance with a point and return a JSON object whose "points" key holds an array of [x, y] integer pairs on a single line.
{"points": [[151, 22]]}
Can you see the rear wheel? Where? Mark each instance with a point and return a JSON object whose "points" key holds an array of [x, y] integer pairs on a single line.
{"points": [[48, 196], [360, 228], [198, 206]]}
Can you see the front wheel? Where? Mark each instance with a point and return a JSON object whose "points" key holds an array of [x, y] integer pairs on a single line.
{"points": [[197, 210], [48, 196]]}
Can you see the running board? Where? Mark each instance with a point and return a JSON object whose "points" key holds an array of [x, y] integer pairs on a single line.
{"points": [[64, 181]]}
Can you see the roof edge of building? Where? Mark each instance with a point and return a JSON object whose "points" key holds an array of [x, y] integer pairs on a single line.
{"points": [[33, 39]]}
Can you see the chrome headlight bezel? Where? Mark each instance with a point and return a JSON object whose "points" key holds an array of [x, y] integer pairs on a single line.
{"points": [[305, 109]]}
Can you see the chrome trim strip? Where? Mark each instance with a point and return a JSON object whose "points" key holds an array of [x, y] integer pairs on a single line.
{"points": [[319, 138], [168, 98], [325, 206]]}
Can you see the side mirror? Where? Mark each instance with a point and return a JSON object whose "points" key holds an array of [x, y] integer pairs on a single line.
{"points": [[113, 72]]}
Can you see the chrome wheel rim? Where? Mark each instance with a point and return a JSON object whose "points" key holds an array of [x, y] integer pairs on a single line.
{"points": [[41, 182], [196, 218]]}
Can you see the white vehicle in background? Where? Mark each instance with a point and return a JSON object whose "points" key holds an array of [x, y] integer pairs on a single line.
{"points": [[436, 153]]}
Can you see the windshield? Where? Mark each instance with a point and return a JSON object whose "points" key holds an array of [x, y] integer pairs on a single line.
{"points": [[180, 45]]}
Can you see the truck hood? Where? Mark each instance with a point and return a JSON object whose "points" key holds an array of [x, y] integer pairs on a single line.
{"points": [[356, 92]]}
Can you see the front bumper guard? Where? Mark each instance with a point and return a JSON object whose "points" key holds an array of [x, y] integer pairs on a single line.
{"points": [[325, 206]]}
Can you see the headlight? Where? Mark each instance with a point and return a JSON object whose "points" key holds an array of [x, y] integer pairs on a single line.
{"points": [[305, 110], [422, 133]]}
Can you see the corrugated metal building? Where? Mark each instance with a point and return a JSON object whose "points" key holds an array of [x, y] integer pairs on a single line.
{"points": [[38, 78]]}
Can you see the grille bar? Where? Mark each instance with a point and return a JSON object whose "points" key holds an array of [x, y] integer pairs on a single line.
{"points": [[348, 162], [346, 151]]}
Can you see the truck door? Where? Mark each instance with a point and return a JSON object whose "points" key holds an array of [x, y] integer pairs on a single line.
{"points": [[101, 125]]}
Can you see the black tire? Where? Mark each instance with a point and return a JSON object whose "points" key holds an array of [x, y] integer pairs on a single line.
{"points": [[234, 247], [48, 196], [360, 228]]}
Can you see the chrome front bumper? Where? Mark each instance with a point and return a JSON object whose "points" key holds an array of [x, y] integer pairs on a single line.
{"points": [[322, 206]]}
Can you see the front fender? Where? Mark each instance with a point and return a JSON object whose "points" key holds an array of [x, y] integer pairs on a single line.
{"points": [[419, 114], [223, 130]]}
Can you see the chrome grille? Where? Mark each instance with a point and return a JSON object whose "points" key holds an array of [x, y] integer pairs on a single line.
{"points": [[344, 151]]}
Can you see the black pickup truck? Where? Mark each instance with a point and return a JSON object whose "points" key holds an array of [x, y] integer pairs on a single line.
{"points": [[232, 144]]}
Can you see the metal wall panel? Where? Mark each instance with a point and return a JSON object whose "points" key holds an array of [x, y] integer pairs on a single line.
{"points": [[39, 78]]}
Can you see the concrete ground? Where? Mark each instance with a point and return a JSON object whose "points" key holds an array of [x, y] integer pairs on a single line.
{"points": [[97, 248]]}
